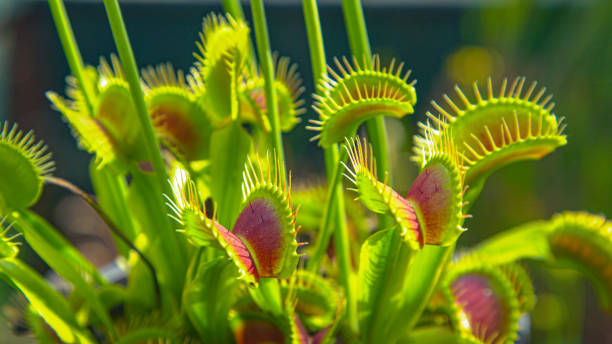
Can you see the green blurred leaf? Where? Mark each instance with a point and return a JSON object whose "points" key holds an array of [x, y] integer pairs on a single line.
{"points": [[435, 335], [111, 193], [157, 240], [49, 303], [526, 241], [208, 298], [63, 258], [147, 335], [230, 147], [373, 264]]}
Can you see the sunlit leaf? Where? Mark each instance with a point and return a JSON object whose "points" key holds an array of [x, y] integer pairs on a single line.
{"points": [[208, 298], [373, 264], [63, 258], [231, 146], [45, 300]]}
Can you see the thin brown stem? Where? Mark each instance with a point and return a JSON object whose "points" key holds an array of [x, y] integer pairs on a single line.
{"points": [[94, 205]]}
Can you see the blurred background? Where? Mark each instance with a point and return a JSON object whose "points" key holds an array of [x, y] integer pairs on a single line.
{"points": [[565, 45]]}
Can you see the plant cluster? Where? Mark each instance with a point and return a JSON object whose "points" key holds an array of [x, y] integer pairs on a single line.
{"points": [[189, 175]]}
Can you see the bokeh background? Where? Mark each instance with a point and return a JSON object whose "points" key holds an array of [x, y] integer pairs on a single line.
{"points": [[565, 45]]}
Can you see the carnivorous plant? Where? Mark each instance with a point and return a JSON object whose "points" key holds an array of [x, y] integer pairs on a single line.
{"points": [[218, 246]]}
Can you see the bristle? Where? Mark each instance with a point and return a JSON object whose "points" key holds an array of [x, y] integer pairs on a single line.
{"points": [[163, 75], [466, 102], [477, 92], [36, 153]]}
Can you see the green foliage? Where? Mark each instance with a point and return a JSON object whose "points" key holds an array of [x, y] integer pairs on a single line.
{"points": [[50, 304], [234, 272], [64, 259], [226, 169], [372, 272], [208, 298]]}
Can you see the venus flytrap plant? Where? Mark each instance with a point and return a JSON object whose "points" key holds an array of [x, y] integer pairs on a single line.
{"points": [[496, 130], [262, 242], [485, 306], [358, 93], [231, 273]]}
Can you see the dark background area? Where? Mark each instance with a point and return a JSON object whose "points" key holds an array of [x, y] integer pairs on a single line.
{"points": [[566, 46]]}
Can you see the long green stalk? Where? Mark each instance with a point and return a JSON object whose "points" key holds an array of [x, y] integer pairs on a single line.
{"points": [[267, 69], [111, 193], [324, 235], [377, 134], [419, 285], [398, 262], [171, 256], [128, 61], [360, 47], [234, 8], [110, 224], [422, 280], [269, 287], [71, 49], [335, 200]]}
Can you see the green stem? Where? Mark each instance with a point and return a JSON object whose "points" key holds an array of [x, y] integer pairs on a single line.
{"points": [[423, 278], [377, 133], [324, 235], [110, 224], [234, 8], [335, 201], [133, 79], [360, 47], [171, 252], [110, 190], [265, 60], [71, 49], [398, 263], [271, 292], [269, 287], [335, 213], [356, 30], [315, 39], [419, 285]]}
